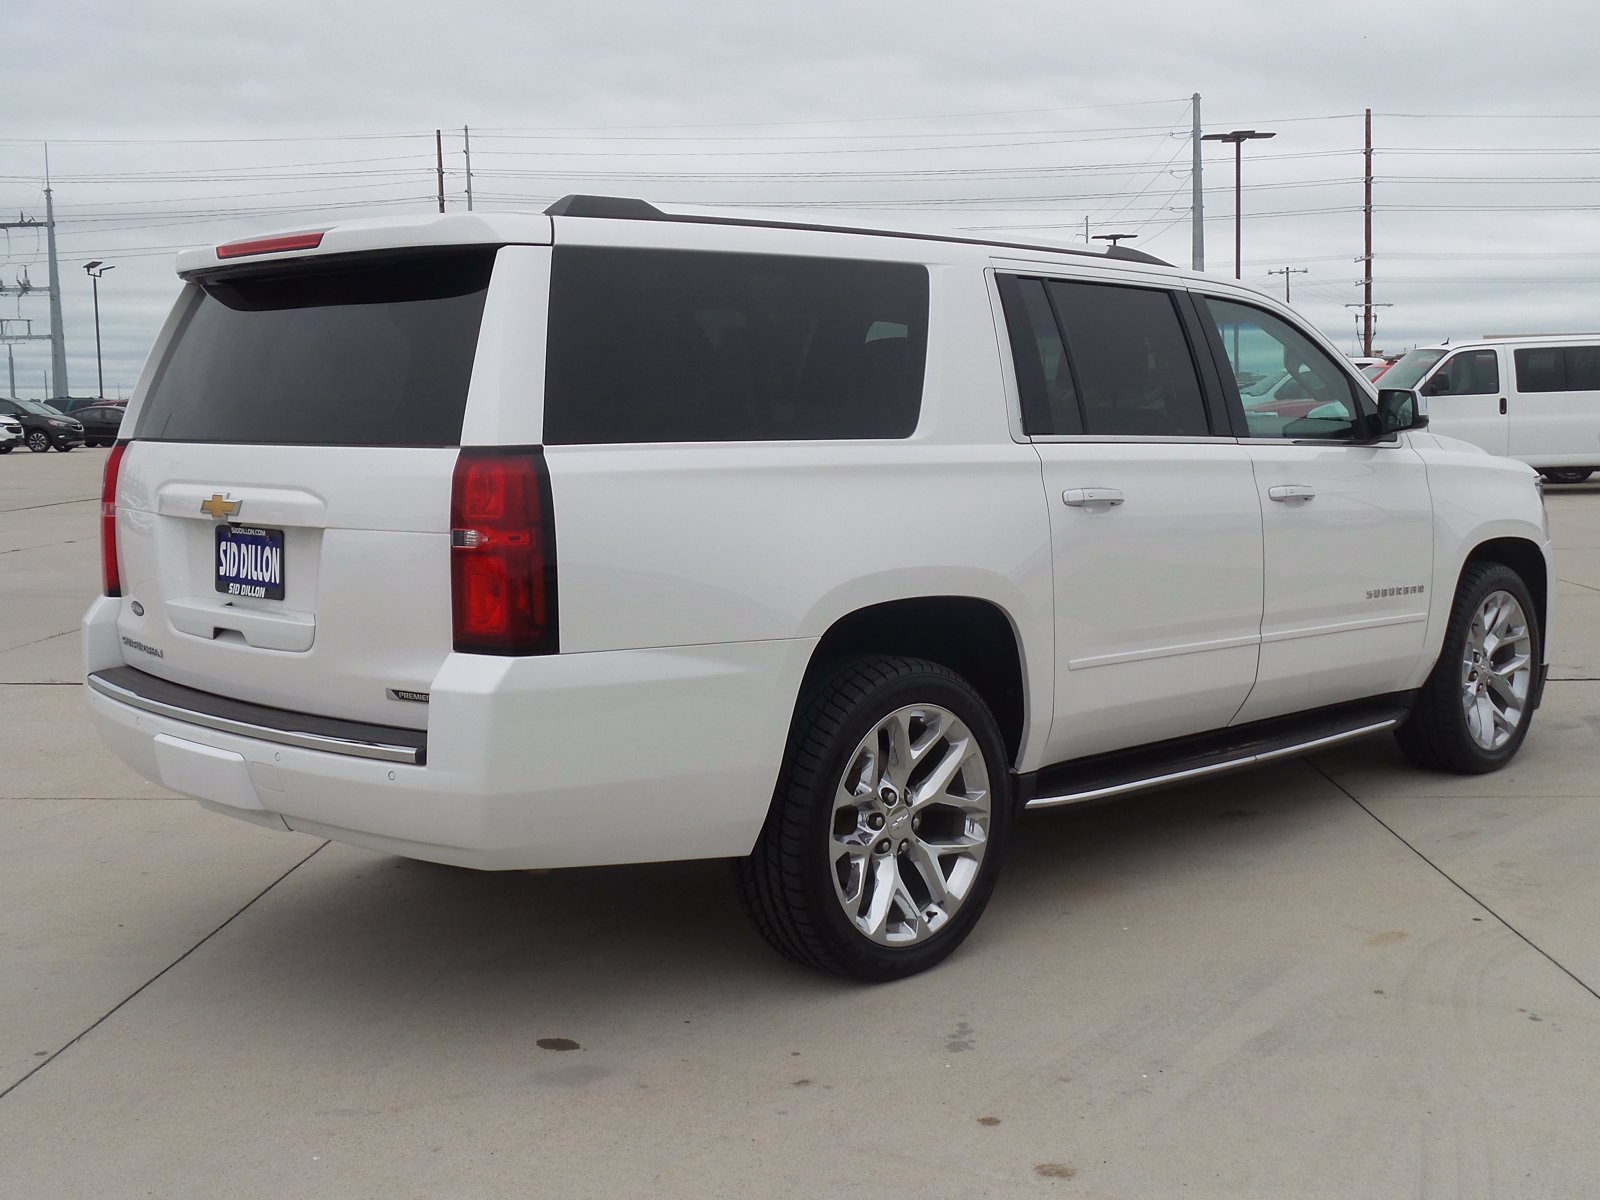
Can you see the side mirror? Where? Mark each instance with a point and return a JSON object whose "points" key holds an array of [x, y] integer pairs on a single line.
{"points": [[1400, 409]]}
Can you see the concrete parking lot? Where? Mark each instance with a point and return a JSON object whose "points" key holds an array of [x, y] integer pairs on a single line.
{"points": [[1334, 978]]}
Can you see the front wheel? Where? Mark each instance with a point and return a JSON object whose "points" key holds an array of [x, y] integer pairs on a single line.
{"points": [[888, 823], [38, 441], [63, 447], [1570, 476], [1473, 712]]}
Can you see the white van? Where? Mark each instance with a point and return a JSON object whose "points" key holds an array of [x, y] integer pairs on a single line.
{"points": [[1532, 398]]}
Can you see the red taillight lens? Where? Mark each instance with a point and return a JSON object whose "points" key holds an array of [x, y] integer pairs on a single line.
{"points": [[309, 240], [502, 553], [110, 575]]}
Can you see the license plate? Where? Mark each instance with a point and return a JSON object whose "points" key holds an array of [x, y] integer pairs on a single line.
{"points": [[250, 562]]}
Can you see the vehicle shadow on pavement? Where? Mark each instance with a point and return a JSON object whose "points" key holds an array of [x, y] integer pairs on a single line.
{"points": [[354, 933]]}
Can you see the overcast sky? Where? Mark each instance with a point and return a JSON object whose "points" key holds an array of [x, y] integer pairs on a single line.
{"points": [[184, 123]]}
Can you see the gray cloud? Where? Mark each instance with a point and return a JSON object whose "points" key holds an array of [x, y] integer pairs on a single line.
{"points": [[123, 92]]}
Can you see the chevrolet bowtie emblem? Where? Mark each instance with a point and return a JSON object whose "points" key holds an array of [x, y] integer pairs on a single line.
{"points": [[219, 507]]}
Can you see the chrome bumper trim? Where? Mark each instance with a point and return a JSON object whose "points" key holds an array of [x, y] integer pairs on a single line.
{"points": [[382, 751]]}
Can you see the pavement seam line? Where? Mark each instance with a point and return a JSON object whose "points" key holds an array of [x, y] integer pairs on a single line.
{"points": [[1531, 944], [133, 995], [49, 637], [85, 500]]}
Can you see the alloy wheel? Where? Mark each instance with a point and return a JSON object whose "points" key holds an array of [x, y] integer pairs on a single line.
{"points": [[910, 825], [1496, 671]]}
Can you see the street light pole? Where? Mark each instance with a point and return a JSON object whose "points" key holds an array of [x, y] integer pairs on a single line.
{"points": [[1238, 137], [94, 270]]}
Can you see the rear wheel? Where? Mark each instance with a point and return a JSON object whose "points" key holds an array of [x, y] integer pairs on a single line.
{"points": [[1575, 475], [38, 441], [63, 446], [1473, 712], [888, 822]]}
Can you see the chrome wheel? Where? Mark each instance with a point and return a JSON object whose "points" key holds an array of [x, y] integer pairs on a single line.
{"points": [[1496, 671], [910, 825]]}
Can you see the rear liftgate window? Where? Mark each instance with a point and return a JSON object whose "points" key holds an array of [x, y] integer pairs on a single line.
{"points": [[372, 351], [679, 346]]}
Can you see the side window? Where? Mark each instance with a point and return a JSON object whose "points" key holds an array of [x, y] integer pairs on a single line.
{"points": [[1583, 368], [675, 346], [1289, 386], [1470, 373], [1044, 381], [1130, 360], [1541, 369]]}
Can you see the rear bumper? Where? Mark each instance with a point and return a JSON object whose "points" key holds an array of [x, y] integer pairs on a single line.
{"points": [[561, 761]]}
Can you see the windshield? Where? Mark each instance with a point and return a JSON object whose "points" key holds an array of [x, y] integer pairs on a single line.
{"points": [[1408, 372], [39, 409]]}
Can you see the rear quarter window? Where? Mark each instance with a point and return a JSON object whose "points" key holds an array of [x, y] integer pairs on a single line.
{"points": [[675, 346], [364, 351]]}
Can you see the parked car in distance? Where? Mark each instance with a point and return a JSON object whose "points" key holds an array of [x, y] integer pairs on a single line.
{"points": [[69, 405], [1375, 369], [631, 536], [10, 434], [1532, 398], [42, 425], [101, 421]]}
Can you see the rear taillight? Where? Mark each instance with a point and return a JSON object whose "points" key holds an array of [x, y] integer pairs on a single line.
{"points": [[502, 553], [110, 575]]}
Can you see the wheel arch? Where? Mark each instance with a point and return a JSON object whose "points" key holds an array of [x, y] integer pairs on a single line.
{"points": [[1525, 558], [975, 638]]}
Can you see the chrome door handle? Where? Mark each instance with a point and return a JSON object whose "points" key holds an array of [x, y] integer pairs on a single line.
{"points": [[1085, 497], [1292, 491]]}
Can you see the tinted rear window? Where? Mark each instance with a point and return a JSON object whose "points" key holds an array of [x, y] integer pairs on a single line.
{"points": [[374, 351], [675, 346]]}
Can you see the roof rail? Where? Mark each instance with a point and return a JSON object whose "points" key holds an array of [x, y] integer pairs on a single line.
{"points": [[624, 208], [628, 208], [1131, 255]]}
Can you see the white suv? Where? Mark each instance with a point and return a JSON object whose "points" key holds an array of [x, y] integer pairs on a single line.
{"points": [[611, 535]]}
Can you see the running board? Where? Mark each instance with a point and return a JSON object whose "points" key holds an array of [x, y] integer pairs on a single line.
{"points": [[1184, 760]]}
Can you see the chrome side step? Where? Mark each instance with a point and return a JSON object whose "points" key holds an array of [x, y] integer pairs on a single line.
{"points": [[1107, 776]]}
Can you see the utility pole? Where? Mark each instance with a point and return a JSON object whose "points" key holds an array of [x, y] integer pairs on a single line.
{"points": [[1197, 211], [1286, 272], [1366, 321], [57, 336], [466, 142], [438, 149], [1366, 291]]}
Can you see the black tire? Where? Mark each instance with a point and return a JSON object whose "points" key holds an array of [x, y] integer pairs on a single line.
{"points": [[63, 447], [5, 449], [1437, 733], [791, 881], [38, 441], [1575, 475]]}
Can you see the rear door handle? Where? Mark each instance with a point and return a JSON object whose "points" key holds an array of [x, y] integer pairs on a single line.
{"points": [[1085, 497], [1291, 491], [1502, 406]]}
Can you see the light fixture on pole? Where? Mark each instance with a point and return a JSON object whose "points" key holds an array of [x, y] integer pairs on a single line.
{"points": [[94, 270], [1238, 137]]}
